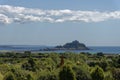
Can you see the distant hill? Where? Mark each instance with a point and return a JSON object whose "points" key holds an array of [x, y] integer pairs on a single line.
{"points": [[74, 45]]}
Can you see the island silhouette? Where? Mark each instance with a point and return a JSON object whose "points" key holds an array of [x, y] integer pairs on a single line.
{"points": [[74, 45]]}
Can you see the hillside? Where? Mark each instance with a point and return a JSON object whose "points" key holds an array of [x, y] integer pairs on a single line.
{"points": [[74, 45]]}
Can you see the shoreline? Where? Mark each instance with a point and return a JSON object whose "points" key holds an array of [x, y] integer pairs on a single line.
{"points": [[60, 51]]}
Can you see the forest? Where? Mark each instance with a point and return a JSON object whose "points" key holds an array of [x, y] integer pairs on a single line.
{"points": [[59, 66]]}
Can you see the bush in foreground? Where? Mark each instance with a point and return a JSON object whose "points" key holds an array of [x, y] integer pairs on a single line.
{"points": [[9, 76], [97, 73], [67, 73]]}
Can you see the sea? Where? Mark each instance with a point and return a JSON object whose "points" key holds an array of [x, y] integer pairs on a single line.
{"points": [[36, 48]]}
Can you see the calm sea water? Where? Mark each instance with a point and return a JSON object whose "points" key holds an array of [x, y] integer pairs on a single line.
{"points": [[21, 48]]}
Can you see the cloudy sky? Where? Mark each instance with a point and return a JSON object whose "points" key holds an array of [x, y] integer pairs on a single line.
{"points": [[54, 22]]}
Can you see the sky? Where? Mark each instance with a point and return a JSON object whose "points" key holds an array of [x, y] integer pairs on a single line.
{"points": [[55, 22]]}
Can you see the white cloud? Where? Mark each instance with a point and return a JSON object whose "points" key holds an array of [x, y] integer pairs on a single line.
{"points": [[4, 19], [12, 14]]}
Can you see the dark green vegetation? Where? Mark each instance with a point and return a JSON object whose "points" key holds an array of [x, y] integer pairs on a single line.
{"points": [[63, 66]]}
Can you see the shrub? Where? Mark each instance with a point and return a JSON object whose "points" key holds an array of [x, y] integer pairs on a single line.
{"points": [[47, 76], [1, 76], [116, 74], [82, 73], [97, 73], [9, 76], [67, 73]]}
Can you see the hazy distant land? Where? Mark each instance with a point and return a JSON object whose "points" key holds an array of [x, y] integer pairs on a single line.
{"points": [[74, 45]]}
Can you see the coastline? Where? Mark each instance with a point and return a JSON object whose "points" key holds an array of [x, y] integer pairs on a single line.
{"points": [[34, 49]]}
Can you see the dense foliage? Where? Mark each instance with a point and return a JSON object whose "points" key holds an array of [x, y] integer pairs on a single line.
{"points": [[66, 73], [97, 74], [47, 66]]}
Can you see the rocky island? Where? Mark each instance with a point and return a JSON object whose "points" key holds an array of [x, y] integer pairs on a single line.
{"points": [[74, 45]]}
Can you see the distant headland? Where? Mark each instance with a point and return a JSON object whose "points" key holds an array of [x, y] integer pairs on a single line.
{"points": [[74, 45]]}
